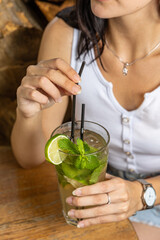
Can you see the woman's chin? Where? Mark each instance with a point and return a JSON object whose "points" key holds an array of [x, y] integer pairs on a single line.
{"points": [[99, 12]]}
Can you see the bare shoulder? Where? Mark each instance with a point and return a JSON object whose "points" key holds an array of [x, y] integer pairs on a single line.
{"points": [[56, 41]]}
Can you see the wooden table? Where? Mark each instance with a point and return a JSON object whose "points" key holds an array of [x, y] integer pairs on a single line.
{"points": [[30, 207]]}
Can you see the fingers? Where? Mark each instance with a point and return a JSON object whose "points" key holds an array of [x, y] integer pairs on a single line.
{"points": [[121, 205], [100, 187], [43, 83], [99, 199], [56, 77], [107, 209], [102, 214], [62, 81], [32, 94], [59, 64], [103, 219]]}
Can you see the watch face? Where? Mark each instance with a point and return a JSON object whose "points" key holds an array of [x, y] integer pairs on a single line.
{"points": [[150, 196]]}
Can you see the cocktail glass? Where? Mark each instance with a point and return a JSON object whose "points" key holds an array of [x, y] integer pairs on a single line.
{"points": [[71, 177]]}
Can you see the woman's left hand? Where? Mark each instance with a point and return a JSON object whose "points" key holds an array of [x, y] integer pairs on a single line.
{"points": [[125, 200]]}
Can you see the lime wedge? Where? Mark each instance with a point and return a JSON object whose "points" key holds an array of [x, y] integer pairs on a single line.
{"points": [[74, 183], [52, 153]]}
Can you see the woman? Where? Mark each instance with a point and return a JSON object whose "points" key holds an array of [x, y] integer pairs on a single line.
{"points": [[121, 92]]}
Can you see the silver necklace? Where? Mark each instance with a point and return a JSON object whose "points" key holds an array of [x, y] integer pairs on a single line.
{"points": [[127, 64]]}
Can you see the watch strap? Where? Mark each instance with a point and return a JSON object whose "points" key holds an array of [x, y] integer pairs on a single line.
{"points": [[144, 183]]}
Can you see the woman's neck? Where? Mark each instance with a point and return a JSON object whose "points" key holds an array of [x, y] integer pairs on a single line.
{"points": [[134, 35]]}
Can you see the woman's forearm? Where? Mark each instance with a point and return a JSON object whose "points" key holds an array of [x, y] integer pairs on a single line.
{"points": [[28, 140]]}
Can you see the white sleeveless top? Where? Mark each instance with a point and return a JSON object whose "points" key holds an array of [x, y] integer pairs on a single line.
{"points": [[135, 135]]}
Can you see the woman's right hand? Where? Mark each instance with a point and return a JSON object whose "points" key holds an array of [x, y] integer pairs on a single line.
{"points": [[45, 84]]}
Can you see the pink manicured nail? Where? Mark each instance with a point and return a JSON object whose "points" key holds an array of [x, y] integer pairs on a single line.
{"points": [[76, 89], [77, 192], [77, 78], [71, 213], [59, 100], [80, 225], [69, 200]]}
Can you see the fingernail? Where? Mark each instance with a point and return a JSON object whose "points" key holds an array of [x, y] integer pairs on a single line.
{"points": [[79, 92], [71, 213], [77, 192], [76, 89], [69, 200], [77, 78], [80, 225], [59, 100]]}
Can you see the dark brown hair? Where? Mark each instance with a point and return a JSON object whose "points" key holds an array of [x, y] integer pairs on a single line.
{"points": [[92, 27]]}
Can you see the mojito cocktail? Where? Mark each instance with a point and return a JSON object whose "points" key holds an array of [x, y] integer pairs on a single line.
{"points": [[79, 163]]}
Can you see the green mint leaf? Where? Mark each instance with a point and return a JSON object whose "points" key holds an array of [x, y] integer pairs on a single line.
{"points": [[93, 149], [59, 169], [91, 162], [70, 159], [77, 162], [80, 162], [67, 146], [86, 147], [80, 146], [89, 149], [60, 174], [83, 162], [82, 181], [83, 174], [86, 162], [69, 170], [62, 180], [103, 159], [96, 173], [75, 183], [73, 173]]}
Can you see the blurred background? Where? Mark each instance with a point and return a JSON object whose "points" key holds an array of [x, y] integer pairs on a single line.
{"points": [[21, 26]]}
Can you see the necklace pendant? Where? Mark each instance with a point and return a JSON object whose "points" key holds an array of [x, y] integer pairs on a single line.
{"points": [[125, 69]]}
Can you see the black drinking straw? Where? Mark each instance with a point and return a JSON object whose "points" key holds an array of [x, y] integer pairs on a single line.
{"points": [[74, 104], [82, 121]]}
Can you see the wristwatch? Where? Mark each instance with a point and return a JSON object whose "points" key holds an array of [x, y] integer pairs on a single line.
{"points": [[148, 194]]}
